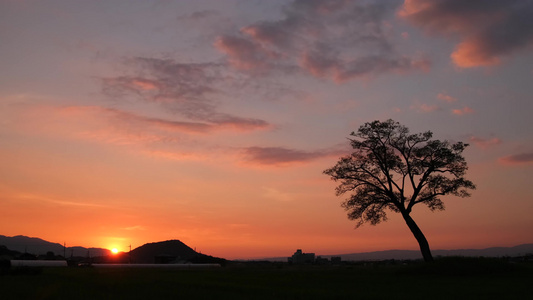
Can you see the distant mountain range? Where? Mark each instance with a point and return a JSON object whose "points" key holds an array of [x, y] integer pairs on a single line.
{"points": [[39, 246], [519, 250]]}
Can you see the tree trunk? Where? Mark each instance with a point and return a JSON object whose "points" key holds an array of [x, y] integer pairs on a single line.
{"points": [[420, 238]]}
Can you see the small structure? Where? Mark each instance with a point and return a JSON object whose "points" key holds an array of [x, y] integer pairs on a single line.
{"points": [[301, 258], [336, 260], [321, 260]]}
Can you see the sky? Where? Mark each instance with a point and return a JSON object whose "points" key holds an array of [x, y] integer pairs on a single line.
{"points": [[211, 121]]}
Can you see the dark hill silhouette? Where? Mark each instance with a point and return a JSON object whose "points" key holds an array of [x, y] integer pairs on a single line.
{"points": [[172, 251], [161, 252]]}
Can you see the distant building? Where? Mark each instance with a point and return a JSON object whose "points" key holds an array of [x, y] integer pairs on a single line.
{"points": [[321, 260], [302, 258], [335, 260]]}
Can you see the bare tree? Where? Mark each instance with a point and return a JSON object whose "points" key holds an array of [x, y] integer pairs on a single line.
{"points": [[391, 169]]}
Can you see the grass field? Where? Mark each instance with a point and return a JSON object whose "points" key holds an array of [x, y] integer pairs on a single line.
{"points": [[452, 279]]}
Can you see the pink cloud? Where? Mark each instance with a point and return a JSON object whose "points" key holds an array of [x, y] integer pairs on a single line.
{"points": [[488, 30], [485, 143], [145, 84], [473, 53], [446, 98], [425, 108], [517, 159], [463, 111]]}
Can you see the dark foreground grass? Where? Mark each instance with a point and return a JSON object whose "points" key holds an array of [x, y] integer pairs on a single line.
{"points": [[452, 279]]}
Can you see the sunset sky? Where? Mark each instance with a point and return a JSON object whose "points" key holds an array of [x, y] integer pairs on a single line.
{"points": [[211, 121]]}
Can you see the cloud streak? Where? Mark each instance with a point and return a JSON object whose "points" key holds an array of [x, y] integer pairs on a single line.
{"points": [[135, 227], [39, 198], [518, 159], [446, 98], [425, 108], [125, 119], [485, 143], [279, 156], [489, 30]]}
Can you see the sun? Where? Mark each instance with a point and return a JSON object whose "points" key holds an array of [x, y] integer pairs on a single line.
{"points": [[114, 250]]}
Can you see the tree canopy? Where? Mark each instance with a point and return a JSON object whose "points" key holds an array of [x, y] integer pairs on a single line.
{"points": [[391, 169]]}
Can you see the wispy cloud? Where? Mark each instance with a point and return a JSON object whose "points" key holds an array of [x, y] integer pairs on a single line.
{"points": [[178, 155], [485, 143], [186, 89], [135, 227], [488, 30], [518, 159], [279, 156], [123, 119], [199, 15], [51, 200], [425, 108], [462, 111], [244, 54], [337, 40], [151, 136], [446, 98], [276, 194]]}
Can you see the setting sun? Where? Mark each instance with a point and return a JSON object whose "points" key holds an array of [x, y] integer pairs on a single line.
{"points": [[114, 250]]}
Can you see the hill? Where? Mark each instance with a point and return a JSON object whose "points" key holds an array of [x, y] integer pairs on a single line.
{"points": [[39, 246], [172, 251]]}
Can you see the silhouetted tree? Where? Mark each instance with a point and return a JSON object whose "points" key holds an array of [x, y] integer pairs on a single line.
{"points": [[391, 169]]}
